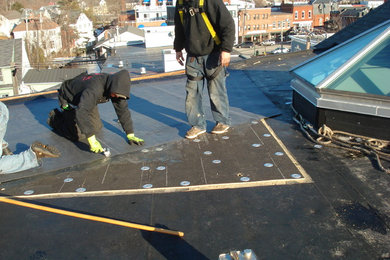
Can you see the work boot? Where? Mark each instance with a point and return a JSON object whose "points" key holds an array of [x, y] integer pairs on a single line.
{"points": [[194, 132], [43, 151], [51, 118], [220, 128], [7, 151]]}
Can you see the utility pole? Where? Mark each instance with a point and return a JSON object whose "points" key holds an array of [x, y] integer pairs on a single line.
{"points": [[281, 37], [243, 26]]}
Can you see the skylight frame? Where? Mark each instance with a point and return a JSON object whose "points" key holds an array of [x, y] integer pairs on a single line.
{"points": [[320, 86]]}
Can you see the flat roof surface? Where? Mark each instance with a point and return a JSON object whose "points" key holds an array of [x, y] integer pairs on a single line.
{"points": [[313, 203]]}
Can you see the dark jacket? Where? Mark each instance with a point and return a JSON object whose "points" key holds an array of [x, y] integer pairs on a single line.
{"points": [[194, 35], [86, 91]]}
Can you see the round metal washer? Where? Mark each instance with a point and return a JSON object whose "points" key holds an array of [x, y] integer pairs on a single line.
{"points": [[68, 180], [145, 168], [216, 161], [279, 154], [208, 153], [266, 135], [269, 165], [159, 149], [254, 122], [29, 192], [196, 140], [160, 168], [145, 150], [245, 179], [318, 146], [256, 145], [225, 137], [296, 176], [147, 186], [184, 183], [81, 189]]}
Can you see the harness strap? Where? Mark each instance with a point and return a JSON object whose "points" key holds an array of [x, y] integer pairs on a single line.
{"points": [[209, 78], [208, 24], [206, 20]]}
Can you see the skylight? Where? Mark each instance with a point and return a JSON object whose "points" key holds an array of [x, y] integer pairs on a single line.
{"points": [[361, 65]]}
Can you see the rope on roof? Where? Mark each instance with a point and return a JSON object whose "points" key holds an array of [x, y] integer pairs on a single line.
{"points": [[379, 149]]}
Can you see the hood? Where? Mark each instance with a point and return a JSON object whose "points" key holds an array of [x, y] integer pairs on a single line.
{"points": [[119, 83]]}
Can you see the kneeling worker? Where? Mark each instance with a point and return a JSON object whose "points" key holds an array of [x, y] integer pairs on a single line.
{"points": [[79, 98]]}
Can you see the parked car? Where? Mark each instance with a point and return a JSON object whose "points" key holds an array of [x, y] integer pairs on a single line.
{"points": [[268, 43], [280, 50], [244, 45]]}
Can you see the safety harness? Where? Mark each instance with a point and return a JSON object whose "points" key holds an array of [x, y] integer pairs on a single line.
{"points": [[192, 11]]}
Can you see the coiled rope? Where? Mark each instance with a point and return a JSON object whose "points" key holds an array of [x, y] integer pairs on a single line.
{"points": [[379, 149]]}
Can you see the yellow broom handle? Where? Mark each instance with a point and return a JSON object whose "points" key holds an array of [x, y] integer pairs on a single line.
{"points": [[90, 217]]}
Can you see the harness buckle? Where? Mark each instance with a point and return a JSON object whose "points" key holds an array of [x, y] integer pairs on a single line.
{"points": [[191, 11]]}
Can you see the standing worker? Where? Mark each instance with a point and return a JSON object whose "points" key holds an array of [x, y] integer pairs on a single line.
{"points": [[31, 158], [205, 29], [79, 98]]}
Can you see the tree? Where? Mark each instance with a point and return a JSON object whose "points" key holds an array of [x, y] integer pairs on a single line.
{"points": [[36, 56], [17, 7], [69, 5]]}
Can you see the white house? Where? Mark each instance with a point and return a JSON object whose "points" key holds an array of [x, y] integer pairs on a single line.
{"points": [[84, 29], [42, 32], [101, 9], [118, 37], [5, 27], [372, 3], [8, 20], [159, 36], [14, 64]]}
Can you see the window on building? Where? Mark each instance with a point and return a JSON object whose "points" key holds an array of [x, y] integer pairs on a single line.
{"points": [[296, 15], [274, 25], [254, 17], [145, 16], [249, 27], [309, 15], [279, 23], [303, 14]]}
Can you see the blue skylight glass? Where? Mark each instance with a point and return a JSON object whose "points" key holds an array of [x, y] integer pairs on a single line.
{"points": [[369, 75], [321, 67]]}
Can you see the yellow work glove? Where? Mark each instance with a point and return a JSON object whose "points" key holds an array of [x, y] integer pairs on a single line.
{"points": [[94, 144], [135, 140]]}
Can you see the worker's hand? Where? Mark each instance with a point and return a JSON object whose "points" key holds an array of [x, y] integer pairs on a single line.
{"points": [[135, 140], [180, 58], [225, 58], [67, 108], [94, 144]]}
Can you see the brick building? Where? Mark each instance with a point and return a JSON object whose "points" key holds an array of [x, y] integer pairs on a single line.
{"points": [[302, 14], [262, 23], [322, 10]]}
